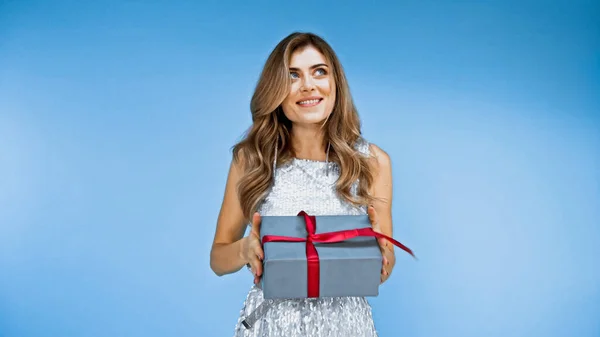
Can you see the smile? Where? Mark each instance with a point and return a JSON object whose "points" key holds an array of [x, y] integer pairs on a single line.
{"points": [[309, 102]]}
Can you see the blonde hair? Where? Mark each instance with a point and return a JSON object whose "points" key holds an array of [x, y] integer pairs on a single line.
{"points": [[256, 152]]}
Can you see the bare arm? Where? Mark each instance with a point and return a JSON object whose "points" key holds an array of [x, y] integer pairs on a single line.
{"points": [[381, 190], [228, 253]]}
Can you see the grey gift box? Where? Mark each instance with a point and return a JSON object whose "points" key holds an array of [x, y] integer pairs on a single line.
{"points": [[348, 268]]}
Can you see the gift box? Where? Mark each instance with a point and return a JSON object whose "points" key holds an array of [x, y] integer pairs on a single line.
{"points": [[320, 256]]}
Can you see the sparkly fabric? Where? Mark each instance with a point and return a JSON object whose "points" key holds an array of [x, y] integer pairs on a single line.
{"points": [[304, 185]]}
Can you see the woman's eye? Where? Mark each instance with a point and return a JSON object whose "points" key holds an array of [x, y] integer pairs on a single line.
{"points": [[294, 75], [320, 72]]}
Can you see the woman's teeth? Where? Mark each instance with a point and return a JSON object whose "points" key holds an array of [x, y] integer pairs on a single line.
{"points": [[311, 101]]}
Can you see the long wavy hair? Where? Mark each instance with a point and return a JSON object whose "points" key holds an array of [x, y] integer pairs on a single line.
{"points": [[270, 126]]}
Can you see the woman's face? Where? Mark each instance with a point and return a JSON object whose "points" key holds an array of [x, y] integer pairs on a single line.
{"points": [[312, 93]]}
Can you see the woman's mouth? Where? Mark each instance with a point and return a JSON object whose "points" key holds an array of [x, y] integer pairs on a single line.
{"points": [[309, 102]]}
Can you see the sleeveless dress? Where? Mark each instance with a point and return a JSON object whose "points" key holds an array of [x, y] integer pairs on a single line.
{"points": [[310, 186]]}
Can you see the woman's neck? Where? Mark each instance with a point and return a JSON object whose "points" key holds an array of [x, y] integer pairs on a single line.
{"points": [[308, 143]]}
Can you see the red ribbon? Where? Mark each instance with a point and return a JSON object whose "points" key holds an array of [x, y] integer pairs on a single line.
{"points": [[312, 256]]}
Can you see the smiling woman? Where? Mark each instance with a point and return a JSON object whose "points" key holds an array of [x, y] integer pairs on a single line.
{"points": [[304, 151], [312, 92]]}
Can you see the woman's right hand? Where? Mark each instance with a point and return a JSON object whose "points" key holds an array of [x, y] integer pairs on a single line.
{"points": [[252, 252]]}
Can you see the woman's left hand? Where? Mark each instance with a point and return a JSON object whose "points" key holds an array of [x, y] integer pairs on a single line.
{"points": [[387, 249]]}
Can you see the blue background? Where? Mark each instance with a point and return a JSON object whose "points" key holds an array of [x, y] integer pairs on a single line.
{"points": [[117, 118]]}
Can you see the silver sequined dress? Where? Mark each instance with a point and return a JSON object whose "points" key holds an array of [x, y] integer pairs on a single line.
{"points": [[304, 185]]}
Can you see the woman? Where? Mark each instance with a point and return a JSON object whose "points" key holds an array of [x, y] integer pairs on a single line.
{"points": [[304, 151]]}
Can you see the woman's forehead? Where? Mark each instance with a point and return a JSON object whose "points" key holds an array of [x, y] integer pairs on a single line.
{"points": [[307, 57]]}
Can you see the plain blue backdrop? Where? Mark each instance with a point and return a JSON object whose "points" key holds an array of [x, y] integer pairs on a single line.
{"points": [[117, 119]]}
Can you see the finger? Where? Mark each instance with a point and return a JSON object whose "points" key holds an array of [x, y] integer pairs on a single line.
{"points": [[384, 275], [257, 270], [255, 265], [258, 251], [259, 257], [256, 224], [383, 243], [373, 218]]}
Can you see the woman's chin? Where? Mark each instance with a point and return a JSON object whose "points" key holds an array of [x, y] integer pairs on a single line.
{"points": [[311, 117]]}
